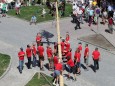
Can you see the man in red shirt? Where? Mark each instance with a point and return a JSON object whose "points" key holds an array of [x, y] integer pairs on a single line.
{"points": [[21, 55], [110, 24], [58, 70], [38, 38], [34, 52], [29, 55], [41, 55], [77, 58], [86, 55], [96, 58], [67, 36], [50, 56], [55, 60], [71, 68], [80, 46], [62, 45]]}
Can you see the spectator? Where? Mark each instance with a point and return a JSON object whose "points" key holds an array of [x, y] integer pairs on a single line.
{"points": [[33, 20], [110, 24], [17, 7]]}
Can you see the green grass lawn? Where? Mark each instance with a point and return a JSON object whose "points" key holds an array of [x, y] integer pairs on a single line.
{"points": [[4, 62], [28, 11], [39, 82]]}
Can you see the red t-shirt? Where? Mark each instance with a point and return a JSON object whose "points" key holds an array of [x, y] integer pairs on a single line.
{"points": [[67, 45], [58, 67], [62, 46], [49, 52], [28, 52], [96, 54], [69, 54], [21, 55], [80, 47], [67, 38], [110, 21], [55, 59], [70, 63], [38, 38], [41, 50], [86, 51], [34, 50], [77, 56]]}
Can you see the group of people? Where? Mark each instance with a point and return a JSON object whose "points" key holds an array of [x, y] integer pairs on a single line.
{"points": [[68, 63], [91, 12]]}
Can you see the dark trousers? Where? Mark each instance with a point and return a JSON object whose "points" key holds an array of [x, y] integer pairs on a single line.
{"points": [[77, 24], [96, 64], [34, 61], [29, 62]]}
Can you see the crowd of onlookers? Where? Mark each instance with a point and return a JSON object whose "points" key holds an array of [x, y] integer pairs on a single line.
{"points": [[90, 11]]}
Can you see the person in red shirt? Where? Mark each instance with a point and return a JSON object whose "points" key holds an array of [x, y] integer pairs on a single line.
{"points": [[21, 55], [62, 45], [110, 24], [55, 60], [50, 56], [67, 47], [86, 55], [77, 58], [58, 70], [67, 36], [96, 58], [80, 46], [70, 68], [55, 47], [41, 55], [34, 52], [38, 38], [29, 55], [69, 54]]}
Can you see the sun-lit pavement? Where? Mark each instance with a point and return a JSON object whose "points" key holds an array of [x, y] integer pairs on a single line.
{"points": [[16, 33]]}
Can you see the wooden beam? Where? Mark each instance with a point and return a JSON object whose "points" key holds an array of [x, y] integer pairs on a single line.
{"points": [[59, 45]]}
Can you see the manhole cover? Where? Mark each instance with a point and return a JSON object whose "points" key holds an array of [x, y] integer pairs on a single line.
{"points": [[98, 40]]}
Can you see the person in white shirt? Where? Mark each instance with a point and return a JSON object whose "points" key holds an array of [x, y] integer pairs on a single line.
{"points": [[17, 6], [43, 12], [80, 12], [1, 4]]}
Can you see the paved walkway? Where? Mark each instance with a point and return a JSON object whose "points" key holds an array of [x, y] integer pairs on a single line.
{"points": [[16, 33]]}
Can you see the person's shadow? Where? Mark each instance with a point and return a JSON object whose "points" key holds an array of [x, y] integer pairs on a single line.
{"points": [[92, 67], [83, 66]]}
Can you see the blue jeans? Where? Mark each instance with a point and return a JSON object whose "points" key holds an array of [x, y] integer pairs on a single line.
{"points": [[34, 61], [21, 62]]}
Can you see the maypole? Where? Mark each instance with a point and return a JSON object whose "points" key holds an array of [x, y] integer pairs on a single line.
{"points": [[59, 45]]}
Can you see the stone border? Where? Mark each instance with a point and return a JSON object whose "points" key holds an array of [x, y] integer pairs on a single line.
{"points": [[8, 68]]}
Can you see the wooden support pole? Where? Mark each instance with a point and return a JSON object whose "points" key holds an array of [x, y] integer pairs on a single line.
{"points": [[59, 45]]}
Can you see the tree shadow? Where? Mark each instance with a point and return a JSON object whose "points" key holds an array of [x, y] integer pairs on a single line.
{"points": [[47, 35]]}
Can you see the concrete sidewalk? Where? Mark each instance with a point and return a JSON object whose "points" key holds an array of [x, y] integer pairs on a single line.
{"points": [[16, 33]]}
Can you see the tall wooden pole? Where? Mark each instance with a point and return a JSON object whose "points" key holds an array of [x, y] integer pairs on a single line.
{"points": [[59, 45]]}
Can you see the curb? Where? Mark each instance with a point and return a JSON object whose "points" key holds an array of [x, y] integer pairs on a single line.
{"points": [[7, 70]]}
